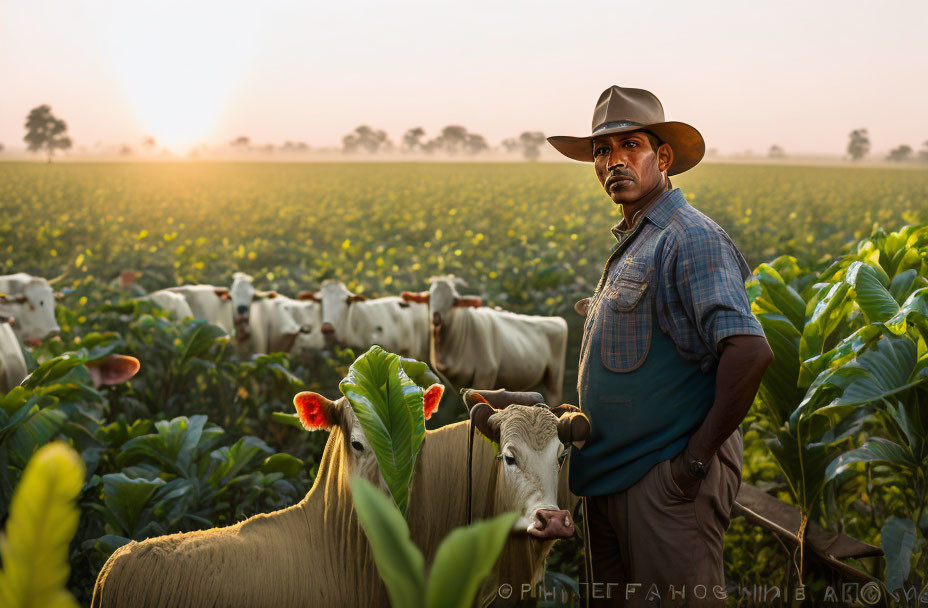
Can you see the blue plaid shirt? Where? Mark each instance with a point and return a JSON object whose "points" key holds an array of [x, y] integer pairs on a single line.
{"points": [[678, 262]]}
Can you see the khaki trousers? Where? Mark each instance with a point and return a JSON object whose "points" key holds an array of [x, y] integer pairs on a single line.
{"points": [[652, 546]]}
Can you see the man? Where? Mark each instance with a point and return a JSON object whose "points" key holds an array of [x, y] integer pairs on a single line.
{"points": [[670, 362]]}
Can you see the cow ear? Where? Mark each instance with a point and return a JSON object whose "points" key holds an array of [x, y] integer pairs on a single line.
{"points": [[315, 411], [573, 428], [468, 302], [114, 369], [307, 295], [222, 292], [431, 399], [271, 294], [355, 297], [419, 298], [482, 417]]}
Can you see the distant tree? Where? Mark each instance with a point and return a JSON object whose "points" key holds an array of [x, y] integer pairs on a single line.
{"points": [[712, 152], [922, 154], [776, 151], [365, 138], [241, 142], [900, 154], [510, 145], [44, 131], [531, 142], [267, 149], [858, 144], [412, 139], [125, 150], [1, 147], [149, 143], [475, 144], [294, 146]]}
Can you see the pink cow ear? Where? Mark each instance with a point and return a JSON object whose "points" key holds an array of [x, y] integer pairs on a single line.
{"points": [[315, 411], [432, 398], [113, 370]]}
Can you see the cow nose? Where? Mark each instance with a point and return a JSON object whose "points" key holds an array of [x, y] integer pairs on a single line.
{"points": [[327, 329], [242, 310], [551, 524], [436, 319]]}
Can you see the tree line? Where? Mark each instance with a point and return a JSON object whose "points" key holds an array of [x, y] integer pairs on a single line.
{"points": [[47, 133]]}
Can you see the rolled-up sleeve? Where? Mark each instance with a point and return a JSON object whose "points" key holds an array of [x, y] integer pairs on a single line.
{"points": [[709, 275]]}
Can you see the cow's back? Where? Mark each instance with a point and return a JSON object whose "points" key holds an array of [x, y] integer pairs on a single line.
{"points": [[12, 363]]}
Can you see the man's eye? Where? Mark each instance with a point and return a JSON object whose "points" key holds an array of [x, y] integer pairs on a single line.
{"points": [[633, 144], [600, 151]]}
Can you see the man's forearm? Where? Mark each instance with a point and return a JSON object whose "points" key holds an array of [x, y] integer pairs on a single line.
{"points": [[741, 366]]}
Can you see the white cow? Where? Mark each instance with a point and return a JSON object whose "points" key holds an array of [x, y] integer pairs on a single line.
{"points": [[392, 323], [31, 302], [12, 362], [214, 304], [307, 312], [491, 348], [272, 325], [172, 302]]}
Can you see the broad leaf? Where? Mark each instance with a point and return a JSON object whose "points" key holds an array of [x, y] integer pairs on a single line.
{"points": [[886, 370], [778, 298], [778, 391], [872, 297], [914, 309], [876, 449], [398, 560], [898, 540], [389, 407], [282, 463], [42, 521], [125, 499], [464, 559], [829, 312]]}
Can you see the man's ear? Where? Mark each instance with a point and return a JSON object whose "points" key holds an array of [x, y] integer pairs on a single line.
{"points": [[664, 157], [315, 411], [114, 369], [431, 399]]}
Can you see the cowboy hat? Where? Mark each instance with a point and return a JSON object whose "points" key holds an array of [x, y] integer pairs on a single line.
{"points": [[620, 110]]}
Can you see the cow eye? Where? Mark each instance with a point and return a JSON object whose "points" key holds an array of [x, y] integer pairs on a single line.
{"points": [[357, 445], [510, 460]]}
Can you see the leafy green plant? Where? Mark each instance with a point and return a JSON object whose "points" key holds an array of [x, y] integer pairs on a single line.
{"points": [[463, 560], [43, 518]]}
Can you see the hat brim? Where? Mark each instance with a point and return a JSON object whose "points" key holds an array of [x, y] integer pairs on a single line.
{"points": [[686, 142]]}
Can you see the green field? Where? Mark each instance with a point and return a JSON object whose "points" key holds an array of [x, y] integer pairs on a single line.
{"points": [[528, 237]]}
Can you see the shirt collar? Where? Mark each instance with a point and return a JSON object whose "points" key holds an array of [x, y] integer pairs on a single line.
{"points": [[658, 212]]}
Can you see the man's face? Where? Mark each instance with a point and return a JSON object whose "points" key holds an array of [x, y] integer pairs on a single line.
{"points": [[627, 166]]}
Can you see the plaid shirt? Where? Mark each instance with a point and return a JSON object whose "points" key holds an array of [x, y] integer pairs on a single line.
{"points": [[680, 263]]}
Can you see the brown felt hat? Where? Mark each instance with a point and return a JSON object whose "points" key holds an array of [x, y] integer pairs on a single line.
{"points": [[623, 109]]}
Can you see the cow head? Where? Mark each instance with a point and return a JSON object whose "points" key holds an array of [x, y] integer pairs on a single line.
{"points": [[335, 299], [33, 311], [317, 413], [242, 293], [307, 313], [442, 297], [532, 443]]}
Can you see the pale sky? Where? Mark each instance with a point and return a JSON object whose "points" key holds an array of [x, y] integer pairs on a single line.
{"points": [[746, 74]]}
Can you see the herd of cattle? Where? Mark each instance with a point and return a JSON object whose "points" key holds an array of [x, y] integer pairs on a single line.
{"points": [[468, 343]]}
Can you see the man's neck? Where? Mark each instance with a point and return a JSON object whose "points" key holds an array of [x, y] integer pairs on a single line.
{"points": [[631, 210]]}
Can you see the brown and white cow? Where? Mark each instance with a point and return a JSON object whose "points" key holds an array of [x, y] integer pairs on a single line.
{"points": [[315, 553], [489, 348]]}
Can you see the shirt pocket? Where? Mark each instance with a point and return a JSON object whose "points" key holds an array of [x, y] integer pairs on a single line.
{"points": [[627, 319]]}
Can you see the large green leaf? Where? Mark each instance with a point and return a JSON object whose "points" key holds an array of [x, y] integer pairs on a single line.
{"points": [[915, 308], [176, 445], [125, 498], [778, 298], [35, 431], [42, 521], [877, 449], [389, 407], [886, 368], [828, 314], [464, 559], [872, 297], [903, 284], [778, 391], [897, 537], [398, 560]]}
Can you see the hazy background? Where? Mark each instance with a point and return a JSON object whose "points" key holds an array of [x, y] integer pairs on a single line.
{"points": [[748, 75]]}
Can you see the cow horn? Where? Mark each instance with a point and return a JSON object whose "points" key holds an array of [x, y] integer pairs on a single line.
{"points": [[573, 428], [480, 415], [502, 398], [355, 297]]}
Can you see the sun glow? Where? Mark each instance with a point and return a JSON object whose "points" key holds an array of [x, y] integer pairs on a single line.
{"points": [[178, 64]]}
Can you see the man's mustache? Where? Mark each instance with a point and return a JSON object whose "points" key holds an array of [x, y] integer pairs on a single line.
{"points": [[616, 174]]}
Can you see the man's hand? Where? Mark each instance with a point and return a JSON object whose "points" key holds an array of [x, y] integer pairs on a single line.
{"points": [[688, 484]]}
